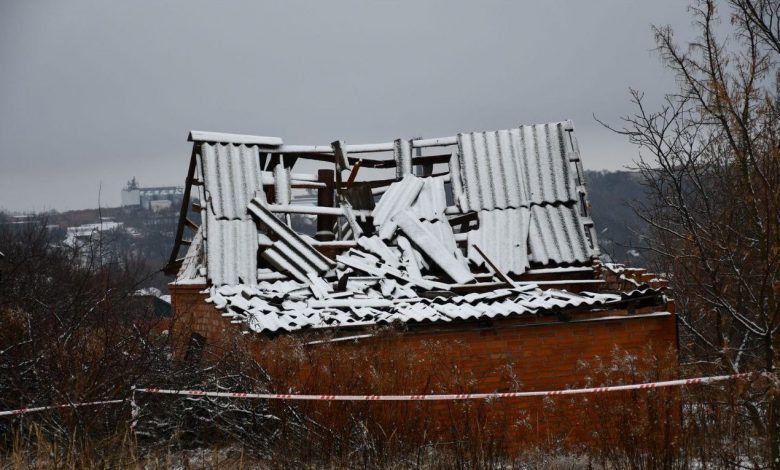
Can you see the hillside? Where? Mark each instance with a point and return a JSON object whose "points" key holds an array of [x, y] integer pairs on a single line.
{"points": [[613, 194]]}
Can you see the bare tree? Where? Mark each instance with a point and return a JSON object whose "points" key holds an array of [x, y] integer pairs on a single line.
{"points": [[710, 158]]}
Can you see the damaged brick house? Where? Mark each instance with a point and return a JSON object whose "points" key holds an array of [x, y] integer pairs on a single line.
{"points": [[483, 237]]}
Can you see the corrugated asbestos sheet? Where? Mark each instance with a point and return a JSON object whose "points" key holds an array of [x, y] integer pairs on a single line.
{"points": [[432, 200], [442, 231], [503, 236], [290, 253], [552, 233], [557, 234], [232, 174], [520, 181], [522, 184], [431, 244], [193, 259], [398, 197], [369, 306], [515, 167], [231, 251]]}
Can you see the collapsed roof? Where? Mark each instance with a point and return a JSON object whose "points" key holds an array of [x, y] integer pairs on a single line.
{"points": [[451, 233]]}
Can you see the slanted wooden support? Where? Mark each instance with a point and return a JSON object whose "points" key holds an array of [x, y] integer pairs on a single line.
{"points": [[173, 261], [353, 173], [190, 224], [499, 274]]}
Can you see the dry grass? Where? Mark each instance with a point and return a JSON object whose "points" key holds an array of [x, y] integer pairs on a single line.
{"points": [[665, 428]]}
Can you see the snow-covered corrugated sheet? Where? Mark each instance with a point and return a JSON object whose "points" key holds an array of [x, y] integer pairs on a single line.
{"points": [[290, 253], [557, 235], [222, 138], [397, 198], [503, 237], [371, 307], [231, 251], [232, 174], [193, 259], [431, 244], [432, 200], [520, 183], [515, 167]]}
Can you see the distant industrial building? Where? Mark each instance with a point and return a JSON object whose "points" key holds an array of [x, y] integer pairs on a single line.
{"points": [[154, 199]]}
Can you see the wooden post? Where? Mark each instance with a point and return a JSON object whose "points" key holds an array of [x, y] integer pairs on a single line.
{"points": [[325, 198]]}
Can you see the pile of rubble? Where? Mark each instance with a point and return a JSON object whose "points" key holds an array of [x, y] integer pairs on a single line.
{"points": [[405, 265]]}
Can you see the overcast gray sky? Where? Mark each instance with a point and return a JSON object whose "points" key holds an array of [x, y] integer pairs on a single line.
{"points": [[96, 92]]}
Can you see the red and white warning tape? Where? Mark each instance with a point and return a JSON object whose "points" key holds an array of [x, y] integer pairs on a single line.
{"points": [[459, 396], [22, 411]]}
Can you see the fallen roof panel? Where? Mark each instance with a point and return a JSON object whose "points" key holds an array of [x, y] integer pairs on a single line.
{"points": [[297, 251], [372, 309], [432, 200], [432, 246], [398, 197]]}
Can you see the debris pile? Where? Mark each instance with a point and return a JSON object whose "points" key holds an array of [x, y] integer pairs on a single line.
{"points": [[409, 270], [424, 246]]}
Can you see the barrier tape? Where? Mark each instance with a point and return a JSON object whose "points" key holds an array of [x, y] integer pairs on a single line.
{"points": [[459, 396], [22, 411]]}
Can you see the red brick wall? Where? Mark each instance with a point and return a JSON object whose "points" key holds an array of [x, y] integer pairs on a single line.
{"points": [[191, 314], [554, 356], [541, 353], [546, 356]]}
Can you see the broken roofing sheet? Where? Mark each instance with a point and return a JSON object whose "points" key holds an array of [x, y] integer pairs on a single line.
{"points": [[287, 306], [517, 202]]}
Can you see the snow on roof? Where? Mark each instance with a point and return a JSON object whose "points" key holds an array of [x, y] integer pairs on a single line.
{"points": [[219, 137], [285, 306], [516, 167], [511, 201]]}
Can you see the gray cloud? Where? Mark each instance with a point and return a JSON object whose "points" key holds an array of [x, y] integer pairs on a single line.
{"points": [[95, 92]]}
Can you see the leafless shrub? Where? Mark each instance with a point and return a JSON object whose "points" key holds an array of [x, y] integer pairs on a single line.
{"points": [[72, 331]]}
